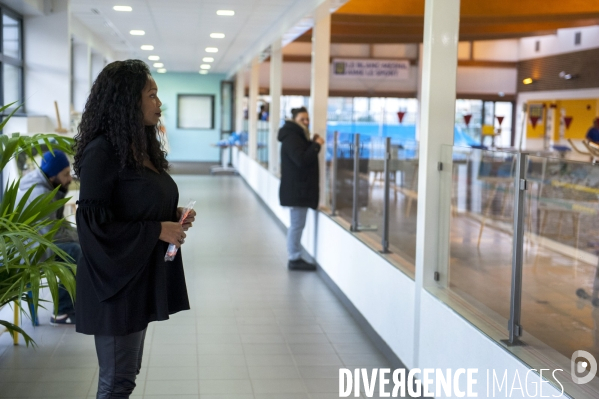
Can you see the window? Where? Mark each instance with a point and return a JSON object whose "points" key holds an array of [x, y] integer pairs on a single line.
{"points": [[195, 111], [484, 113], [11, 58]]}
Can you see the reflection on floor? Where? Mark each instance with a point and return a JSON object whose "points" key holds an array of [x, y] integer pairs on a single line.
{"points": [[551, 311], [255, 330]]}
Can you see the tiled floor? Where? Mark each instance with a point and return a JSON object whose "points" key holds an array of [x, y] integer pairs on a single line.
{"points": [[255, 330]]}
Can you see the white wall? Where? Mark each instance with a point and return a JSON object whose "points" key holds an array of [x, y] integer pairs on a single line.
{"points": [[487, 80], [47, 46], [448, 341], [496, 50], [386, 297], [84, 35], [561, 43]]}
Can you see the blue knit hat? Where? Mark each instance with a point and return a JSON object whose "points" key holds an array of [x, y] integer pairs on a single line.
{"points": [[54, 164]]}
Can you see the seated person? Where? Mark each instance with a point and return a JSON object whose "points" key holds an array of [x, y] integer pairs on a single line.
{"points": [[593, 133], [56, 172]]}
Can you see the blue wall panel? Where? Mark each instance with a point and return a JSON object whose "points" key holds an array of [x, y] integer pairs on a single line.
{"points": [[186, 144]]}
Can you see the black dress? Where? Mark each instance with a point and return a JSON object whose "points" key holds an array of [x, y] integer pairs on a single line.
{"points": [[299, 167], [123, 282]]}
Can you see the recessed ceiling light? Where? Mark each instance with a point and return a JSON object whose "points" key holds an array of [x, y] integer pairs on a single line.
{"points": [[205, 66], [158, 65], [147, 47], [225, 13], [217, 35], [203, 72], [122, 8], [208, 59], [154, 58], [137, 32], [161, 70], [211, 50]]}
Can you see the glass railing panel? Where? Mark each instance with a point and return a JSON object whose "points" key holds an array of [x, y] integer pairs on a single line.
{"points": [[243, 142], [263, 142], [372, 187], [480, 233], [403, 170], [560, 294], [329, 146], [344, 184]]}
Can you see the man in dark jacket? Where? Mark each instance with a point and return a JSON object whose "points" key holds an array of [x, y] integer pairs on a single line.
{"points": [[299, 180]]}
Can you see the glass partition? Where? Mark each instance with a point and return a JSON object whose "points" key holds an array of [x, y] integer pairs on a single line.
{"points": [[480, 233], [403, 168], [560, 290], [263, 141], [372, 184], [558, 233], [559, 312], [344, 183]]}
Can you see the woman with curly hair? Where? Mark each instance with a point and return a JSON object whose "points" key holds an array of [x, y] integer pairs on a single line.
{"points": [[126, 219]]}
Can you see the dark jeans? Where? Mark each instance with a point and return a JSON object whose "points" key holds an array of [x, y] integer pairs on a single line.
{"points": [[65, 303], [119, 358]]}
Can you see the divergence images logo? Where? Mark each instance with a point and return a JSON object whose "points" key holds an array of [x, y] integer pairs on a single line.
{"points": [[578, 368]]}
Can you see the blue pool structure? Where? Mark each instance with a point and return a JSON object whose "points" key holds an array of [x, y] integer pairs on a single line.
{"points": [[373, 135]]}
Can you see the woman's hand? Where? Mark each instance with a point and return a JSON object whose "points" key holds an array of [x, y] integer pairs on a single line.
{"points": [[173, 233], [188, 222], [318, 139]]}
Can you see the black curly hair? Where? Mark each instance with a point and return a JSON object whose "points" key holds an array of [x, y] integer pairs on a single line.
{"points": [[113, 109]]}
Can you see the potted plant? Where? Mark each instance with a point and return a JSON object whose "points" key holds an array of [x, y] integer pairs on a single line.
{"points": [[25, 267]]}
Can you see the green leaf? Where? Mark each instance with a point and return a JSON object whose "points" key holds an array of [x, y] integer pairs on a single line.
{"points": [[17, 330]]}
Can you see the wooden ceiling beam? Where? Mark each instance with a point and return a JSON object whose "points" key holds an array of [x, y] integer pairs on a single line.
{"points": [[374, 33], [393, 20], [399, 30], [473, 8]]}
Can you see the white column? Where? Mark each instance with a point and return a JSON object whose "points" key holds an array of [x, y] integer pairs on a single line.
{"points": [[319, 85], [90, 76], [81, 75], [276, 89], [98, 63], [419, 90], [437, 110], [239, 96], [253, 110]]}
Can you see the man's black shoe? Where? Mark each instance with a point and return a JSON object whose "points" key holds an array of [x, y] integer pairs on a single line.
{"points": [[300, 264]]}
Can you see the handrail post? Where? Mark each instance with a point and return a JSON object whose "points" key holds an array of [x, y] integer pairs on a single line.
{"points": [[354, 223], [520, 186], [385, 239], [334, 174]]}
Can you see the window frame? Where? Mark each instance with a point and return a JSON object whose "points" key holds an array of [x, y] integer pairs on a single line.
{"points": [[16, 62]]}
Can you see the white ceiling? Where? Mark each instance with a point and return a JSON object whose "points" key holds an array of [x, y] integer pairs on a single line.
{"points": [[180, 30]]}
